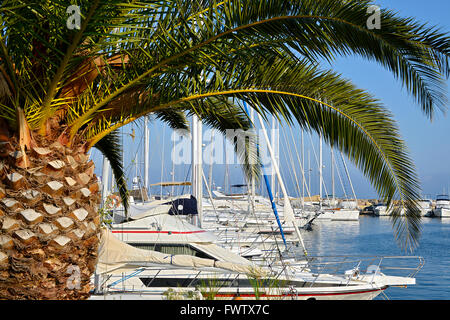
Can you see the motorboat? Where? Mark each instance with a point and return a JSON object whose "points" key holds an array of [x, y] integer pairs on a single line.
{"points": [[383, 210], [343, 210], [380, 209], [425, 206]]}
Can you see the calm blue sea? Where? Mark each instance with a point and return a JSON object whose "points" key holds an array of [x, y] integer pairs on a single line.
{"points": [[374, 236]]}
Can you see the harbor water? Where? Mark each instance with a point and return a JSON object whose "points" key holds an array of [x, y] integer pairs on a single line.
{"points": [[374, 236]]}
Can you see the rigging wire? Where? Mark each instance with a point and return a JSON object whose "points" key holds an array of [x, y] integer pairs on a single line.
{"points": [[308, 191], [318, 164]]}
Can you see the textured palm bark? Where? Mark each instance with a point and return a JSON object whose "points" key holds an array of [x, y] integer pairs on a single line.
{"points": [[49, 224]]}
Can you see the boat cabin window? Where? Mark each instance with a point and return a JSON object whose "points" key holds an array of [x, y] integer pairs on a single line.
{"points": [[173, 248]]}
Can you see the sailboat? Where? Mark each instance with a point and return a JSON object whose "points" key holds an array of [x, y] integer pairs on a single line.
{"points": [[150, 256], [331, 208]]}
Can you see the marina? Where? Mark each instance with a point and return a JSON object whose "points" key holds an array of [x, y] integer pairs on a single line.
{"points": [[224, 150], [303, 277], [328, 243], [374, 234], [279, 236]]}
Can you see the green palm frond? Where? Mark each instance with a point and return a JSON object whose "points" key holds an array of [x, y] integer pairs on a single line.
{"points": [[176, 119], [173, 58], [111, 149], [411, 52], [230, 119], [345, 116], [220, 114]]}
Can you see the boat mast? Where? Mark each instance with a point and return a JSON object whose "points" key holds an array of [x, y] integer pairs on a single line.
{"points": [[172, 193], [303, 172], [272, 141], [309, 169], [197, 183], [252, 182], [288, 211], [320, 171], [211, 161], [105, 177], [277, 151], [146, 153], [348, 177], [226, 178], [332, 176], [269, 190]]}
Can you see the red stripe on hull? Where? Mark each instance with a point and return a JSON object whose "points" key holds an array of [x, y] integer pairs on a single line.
{"points": [[166, 232], [297, 295]]}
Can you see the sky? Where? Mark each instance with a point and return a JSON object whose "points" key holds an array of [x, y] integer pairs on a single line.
{"points": [[428, 142]]}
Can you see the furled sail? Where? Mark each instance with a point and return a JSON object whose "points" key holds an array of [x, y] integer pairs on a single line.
{"points": [[115, 254]]}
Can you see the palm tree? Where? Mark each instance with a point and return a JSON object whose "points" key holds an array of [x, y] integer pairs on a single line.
{"points": [[67, 87]]}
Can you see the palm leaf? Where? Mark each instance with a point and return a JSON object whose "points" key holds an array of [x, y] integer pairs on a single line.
{"points": [[172, 57], [319, 100], [111, 149]]}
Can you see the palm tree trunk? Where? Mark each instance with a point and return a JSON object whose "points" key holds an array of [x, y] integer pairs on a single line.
{"points": [[49, 221]]}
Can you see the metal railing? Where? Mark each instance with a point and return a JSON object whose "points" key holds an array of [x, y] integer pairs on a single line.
{"points": [[352, 265], [312, 270]]}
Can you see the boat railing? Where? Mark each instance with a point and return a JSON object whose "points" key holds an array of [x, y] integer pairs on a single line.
{"points": [[355, 265], [210, 279], [312, 271]]}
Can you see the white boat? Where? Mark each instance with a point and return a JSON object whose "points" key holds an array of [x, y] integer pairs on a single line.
{"points": [[160, 255], [383, 210], [343, 210], [222, 196], [340, 215], [348, 211], [442, 207], [155, 255], [380, 209]]}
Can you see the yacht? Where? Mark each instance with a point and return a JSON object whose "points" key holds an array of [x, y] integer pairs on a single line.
{"points": [[425, 206], [380, 209], [442, 208]]}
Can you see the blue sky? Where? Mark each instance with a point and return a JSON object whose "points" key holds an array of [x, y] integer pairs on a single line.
{"points": [[428, 142]]}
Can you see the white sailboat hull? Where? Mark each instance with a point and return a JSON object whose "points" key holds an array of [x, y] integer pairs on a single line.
{"points": [[131, 273], [137, 275], [340, 215], [146, 286], [158, 294]]}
